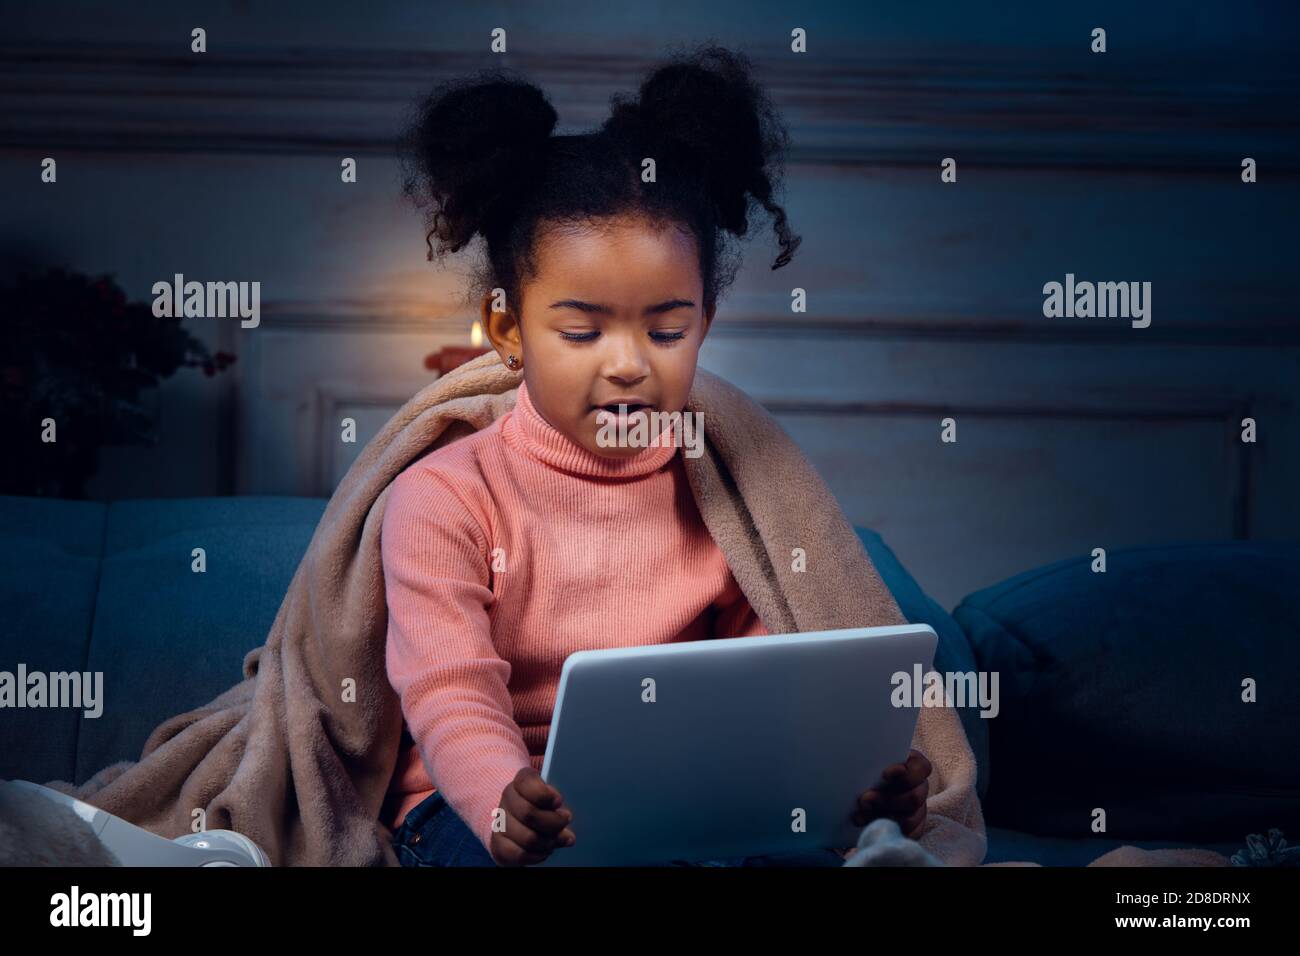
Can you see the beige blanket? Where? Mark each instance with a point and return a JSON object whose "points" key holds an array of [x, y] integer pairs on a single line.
{"points": [[299, 754]]}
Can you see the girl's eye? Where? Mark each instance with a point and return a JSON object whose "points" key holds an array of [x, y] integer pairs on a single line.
{"points": [[657, 336]]}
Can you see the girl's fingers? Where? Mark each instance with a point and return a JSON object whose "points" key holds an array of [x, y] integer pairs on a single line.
{"points": [[516, 855], [527, 838], [897, 805], [869, 805], [874, 800], [530, 785], [905, 776], [535, 818], [910, 824], [518, 829], [548, 822], [894, 806], [918, 767], [913, 799]]}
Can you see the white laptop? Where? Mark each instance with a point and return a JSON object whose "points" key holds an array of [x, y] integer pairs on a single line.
{"points": [[730, 747]]}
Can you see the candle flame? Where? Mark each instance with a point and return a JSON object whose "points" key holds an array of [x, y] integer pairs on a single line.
{"points": [[475, 334]]}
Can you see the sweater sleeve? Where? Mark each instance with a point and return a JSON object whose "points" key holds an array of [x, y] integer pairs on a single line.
{"points": [[439, 654]]}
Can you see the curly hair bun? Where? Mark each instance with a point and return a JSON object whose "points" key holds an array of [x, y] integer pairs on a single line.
{"points": [[703, 113], [471, 142]]}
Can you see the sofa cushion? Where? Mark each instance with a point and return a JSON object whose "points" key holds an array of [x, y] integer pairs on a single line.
{"points": [[953, 653], [170, 639], [49, 572], [1123, 691]]}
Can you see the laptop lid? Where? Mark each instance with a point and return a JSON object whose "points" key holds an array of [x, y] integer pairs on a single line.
{"points": [[728, 747]]}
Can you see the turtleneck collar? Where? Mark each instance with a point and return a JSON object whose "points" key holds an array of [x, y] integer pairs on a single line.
{"points": [[526, 430]]}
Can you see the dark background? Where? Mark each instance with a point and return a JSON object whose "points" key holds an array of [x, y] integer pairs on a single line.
{"points": [[924, 298]]}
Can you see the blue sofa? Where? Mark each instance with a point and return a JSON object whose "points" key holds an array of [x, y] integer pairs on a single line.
{"points": [[1117, 690]]}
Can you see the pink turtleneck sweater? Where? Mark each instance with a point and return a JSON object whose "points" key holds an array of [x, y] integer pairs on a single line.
{"points": [[504, 552]]}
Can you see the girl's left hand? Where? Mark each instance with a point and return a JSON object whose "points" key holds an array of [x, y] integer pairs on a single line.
{"points": [[900, 795]]}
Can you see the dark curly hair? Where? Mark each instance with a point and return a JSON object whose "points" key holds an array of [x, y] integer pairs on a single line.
{"points": [[480, 156]]}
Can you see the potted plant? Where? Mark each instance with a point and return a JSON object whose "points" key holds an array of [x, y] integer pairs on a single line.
{"points": [[77, 353]]}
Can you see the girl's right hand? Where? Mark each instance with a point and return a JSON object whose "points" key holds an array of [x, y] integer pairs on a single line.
{"points": [[536, 821]]}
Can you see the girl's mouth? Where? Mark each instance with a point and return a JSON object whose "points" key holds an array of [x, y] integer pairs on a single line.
{"points": [[615, 409]]}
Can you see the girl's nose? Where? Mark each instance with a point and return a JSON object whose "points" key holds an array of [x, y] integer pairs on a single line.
{"points": [[625, 365]]}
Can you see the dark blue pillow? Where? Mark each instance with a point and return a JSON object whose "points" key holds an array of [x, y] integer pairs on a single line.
{"points": [[1123, 690], [953, 652]]}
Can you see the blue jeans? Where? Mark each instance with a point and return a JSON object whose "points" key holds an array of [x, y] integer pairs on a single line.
{"points": [[433, 835]]}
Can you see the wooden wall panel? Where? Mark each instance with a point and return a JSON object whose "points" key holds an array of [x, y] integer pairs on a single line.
{"points": [[924, 299]]}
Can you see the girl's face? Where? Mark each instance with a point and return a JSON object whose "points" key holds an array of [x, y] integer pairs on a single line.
{"points": [[615, 311]]}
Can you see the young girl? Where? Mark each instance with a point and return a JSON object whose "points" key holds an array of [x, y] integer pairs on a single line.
{"points": [[610, 282]]}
